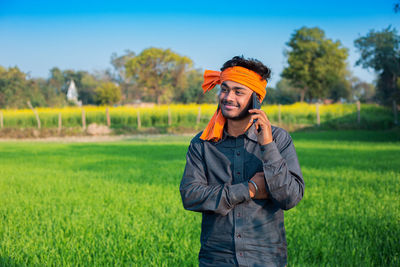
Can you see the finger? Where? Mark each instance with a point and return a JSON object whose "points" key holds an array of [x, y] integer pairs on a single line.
{"points": [[256, 111], [259, 127], [259, 118]]}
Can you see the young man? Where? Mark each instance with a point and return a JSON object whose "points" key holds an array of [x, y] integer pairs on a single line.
{"points": [[241, 173]]}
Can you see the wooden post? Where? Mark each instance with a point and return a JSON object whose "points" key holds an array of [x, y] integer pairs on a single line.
{"points": [[318, 118], [139, 123], [198, 116], [279, 114], [83, 119], [169, 117], [59, 122], [35, 112], [108, 117], [396, 122], [358, 112], [1, 119]]}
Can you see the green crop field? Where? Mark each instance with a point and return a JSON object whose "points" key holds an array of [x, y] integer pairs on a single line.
{"points": [[118, 203]]}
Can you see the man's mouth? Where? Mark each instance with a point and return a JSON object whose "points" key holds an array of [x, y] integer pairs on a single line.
{"points": [[229, 106]]}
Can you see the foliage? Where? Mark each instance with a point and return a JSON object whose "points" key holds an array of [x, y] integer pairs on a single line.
{"points": [[108, 94], [130, 92], [363, 91], [159, 72], [16, 89], [193, 92], [315, 64], [380, 50], [109, 204], [284, 93]]}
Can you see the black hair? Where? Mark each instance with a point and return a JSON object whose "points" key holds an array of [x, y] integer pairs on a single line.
{"points": [[249, 63]]}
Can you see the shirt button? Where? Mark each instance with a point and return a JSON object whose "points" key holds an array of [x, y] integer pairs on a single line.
{"points": [[238, 173], [239, 236], [240, 254], [239, 214], [238, 153]]}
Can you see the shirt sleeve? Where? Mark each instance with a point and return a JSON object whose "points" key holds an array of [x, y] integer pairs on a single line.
{"points": [[283, 177], [198, 195]]}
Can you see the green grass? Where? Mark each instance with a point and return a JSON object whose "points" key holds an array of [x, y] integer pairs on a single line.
{"points": [[97, 204]]}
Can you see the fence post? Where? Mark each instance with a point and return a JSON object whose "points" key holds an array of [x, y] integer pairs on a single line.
{"points": [[358, 112], [35, 112], [318, 118], [83, 119], [139, 123], [198, 116], [108, 117], [1, 119], [169, 116], [395, 112], [279, 114], [59, 122]]}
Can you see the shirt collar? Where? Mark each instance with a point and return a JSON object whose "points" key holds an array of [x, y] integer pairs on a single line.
{"points": [[250, 134]]}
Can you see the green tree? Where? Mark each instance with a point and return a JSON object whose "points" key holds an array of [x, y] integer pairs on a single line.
{"points": [[108, 93], [130, 92], [362, 91], [284, 93], [192, 92], [16, 89], [57, 80], [315, 63], [51, 96], [340, 88], [380, 52], [159, 72]]}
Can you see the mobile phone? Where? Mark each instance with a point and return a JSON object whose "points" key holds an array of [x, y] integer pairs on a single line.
{"points": [[256, 105]]}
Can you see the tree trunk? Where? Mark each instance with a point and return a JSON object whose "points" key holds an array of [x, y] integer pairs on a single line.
{"points": [[302, 94]]}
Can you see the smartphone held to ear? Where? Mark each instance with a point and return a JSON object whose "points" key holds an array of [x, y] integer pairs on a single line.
{"points": [[256, 105], [256, 101]]}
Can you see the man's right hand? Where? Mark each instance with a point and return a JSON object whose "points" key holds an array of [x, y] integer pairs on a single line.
{"points": [[259, 179]]}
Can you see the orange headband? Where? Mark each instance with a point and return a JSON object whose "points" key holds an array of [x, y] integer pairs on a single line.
{"points": [[237, 74], [249, 78]]}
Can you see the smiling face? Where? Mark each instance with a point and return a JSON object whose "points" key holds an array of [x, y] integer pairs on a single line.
{"points": [[235, 100]]}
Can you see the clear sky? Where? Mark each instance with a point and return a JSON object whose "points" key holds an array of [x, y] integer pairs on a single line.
{"points": [[82, 35]]}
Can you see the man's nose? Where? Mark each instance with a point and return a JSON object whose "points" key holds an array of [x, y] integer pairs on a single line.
{"points": [[229, 96]]}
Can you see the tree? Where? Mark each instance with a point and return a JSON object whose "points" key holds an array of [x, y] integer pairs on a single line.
{"points": [[16, 89], [108, 93], [158, 72], [380, 52], [315, 63], [192, 92], [57, 80], [284, 93], [128, 88], [52, 97], [362, 91]]}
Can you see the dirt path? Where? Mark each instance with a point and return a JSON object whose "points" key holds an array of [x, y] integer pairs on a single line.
{"points": [[87, 139]]}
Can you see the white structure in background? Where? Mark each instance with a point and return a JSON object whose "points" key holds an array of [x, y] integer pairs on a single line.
{"points": [[72, 93]]}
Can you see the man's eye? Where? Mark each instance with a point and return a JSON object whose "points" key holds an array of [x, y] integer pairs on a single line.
{"points": [[239, 93], [224, 90]]}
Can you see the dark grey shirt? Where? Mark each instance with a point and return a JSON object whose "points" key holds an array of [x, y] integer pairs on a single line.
{"points": [[237, 230]]}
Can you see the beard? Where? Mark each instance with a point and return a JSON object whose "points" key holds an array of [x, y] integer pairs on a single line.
{"points": [[243, 114]]}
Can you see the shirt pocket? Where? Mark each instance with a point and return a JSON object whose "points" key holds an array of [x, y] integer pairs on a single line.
{"points": [[251, 167]]}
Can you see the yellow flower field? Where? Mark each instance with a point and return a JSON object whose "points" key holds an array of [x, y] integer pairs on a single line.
{"points": [[190, 115]]}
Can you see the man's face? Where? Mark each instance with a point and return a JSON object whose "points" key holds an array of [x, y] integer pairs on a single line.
{"points": [[234, 100]]}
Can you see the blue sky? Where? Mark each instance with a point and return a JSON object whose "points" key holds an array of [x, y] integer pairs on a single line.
{"points": [[82, 35]]}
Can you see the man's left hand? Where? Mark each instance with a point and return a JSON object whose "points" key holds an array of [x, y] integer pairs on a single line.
{"points": [[264, 136], [259, 179]]}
